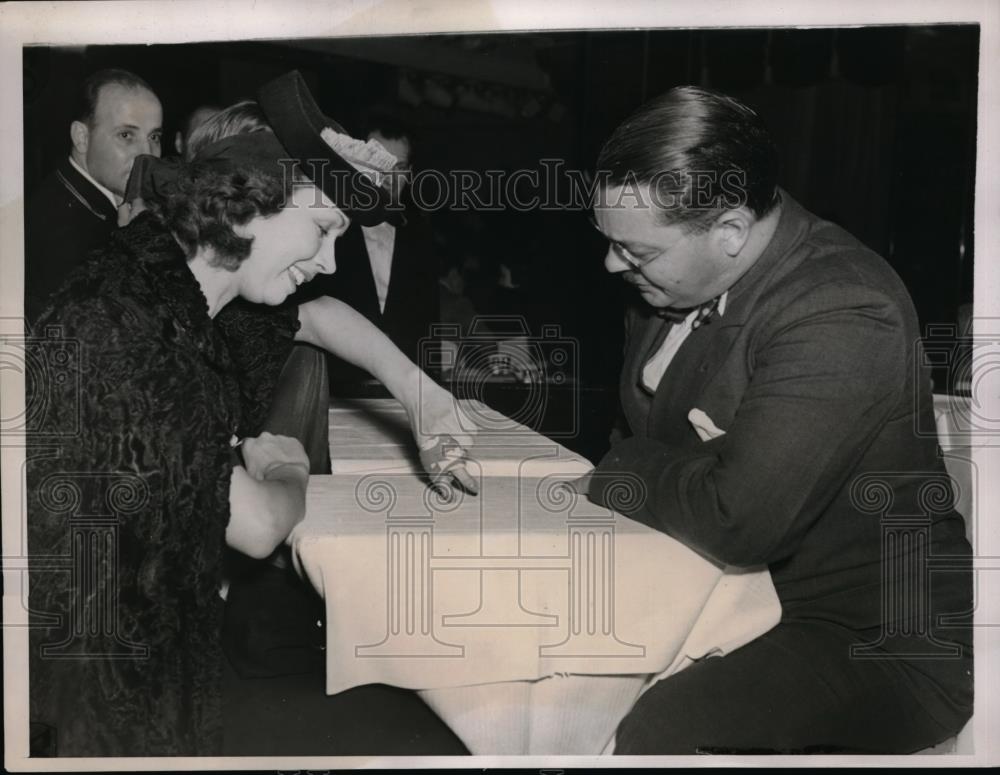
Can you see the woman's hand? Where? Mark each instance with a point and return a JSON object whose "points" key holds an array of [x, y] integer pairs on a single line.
{"points": [[441, 431], [267, 498], [442, 437], [269, 456]]}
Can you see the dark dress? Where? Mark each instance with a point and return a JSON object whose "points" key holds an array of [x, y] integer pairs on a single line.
{"points": [[134, 402]]}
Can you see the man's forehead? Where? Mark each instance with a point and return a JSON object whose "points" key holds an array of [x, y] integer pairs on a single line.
{"points": [[116, 101], [623, 206]]}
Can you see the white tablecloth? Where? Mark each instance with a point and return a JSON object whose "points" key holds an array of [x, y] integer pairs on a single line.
{"points": [[374, 434], [530, 619], [956, 423]]}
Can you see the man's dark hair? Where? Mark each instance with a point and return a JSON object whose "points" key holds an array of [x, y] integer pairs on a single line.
{"points": [[391, 127], [388, 125], [701, 152], [92, 90]]}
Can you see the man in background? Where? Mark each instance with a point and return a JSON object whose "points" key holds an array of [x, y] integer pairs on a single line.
{"points": [[76, 207], [195, 119], [388, 273]]}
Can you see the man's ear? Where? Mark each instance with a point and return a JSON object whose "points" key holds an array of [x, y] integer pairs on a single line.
{"points": [[79, 133], [733, 230]]}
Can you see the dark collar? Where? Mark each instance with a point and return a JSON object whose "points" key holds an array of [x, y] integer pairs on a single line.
{"points": [[85, 192]]}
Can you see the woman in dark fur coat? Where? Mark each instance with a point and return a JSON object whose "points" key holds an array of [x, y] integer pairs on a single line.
{"points": [[143, 463]]}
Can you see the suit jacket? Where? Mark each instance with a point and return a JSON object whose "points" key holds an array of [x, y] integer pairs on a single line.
{"points": [[815, 374], [412, 304], [65, 219]]}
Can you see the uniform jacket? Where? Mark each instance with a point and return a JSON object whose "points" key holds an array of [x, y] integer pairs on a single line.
{"points": [[65, 218]]}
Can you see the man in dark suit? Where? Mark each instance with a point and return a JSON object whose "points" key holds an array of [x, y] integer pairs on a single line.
{"points": [[772, 387], [388, 273], [75, 208]]}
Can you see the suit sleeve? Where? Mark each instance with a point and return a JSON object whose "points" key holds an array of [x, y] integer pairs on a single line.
{"points": [[829, 366]]}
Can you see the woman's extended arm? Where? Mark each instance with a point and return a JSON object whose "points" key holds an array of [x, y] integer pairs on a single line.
{"points": [[434, 415], [337, 327]]}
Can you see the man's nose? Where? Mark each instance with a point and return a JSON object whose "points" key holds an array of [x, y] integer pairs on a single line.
{"points": [[144, 146], [615, 263]]}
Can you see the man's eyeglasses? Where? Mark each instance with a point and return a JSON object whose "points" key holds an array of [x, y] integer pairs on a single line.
{"points": [[623, 252]]}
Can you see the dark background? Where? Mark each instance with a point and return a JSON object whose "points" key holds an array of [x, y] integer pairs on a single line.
{"points": [[876, 126]]}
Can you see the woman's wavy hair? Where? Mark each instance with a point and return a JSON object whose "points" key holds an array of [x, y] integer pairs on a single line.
{"points": [[208, 203]]}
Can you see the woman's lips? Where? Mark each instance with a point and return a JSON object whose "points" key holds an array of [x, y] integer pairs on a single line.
{"points": [[298, 275]]}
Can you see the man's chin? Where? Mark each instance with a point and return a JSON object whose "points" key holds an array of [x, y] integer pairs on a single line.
{"points": [[655, 297]]}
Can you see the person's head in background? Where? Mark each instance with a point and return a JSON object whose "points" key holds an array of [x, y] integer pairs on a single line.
{"points": [[195, 119], [238, 119], [119, 117], [397, 139]]}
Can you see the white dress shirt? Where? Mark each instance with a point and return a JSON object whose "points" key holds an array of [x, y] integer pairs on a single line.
{"points": [[379, 242], [115, 201], [657, 365]]}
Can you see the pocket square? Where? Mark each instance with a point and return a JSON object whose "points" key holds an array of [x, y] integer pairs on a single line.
{"points": [[703, 425]]}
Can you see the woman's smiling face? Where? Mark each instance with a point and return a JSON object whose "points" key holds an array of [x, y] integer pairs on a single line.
{"points": [[290, 247]]}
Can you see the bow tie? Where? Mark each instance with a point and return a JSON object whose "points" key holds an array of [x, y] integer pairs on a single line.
{"points": [[702, 316]]}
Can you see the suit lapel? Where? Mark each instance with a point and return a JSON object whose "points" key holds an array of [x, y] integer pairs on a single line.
{"points": [[358, 274], [85, 193], [705, 350], [692, 368], [650, 333], [399, 279]]}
